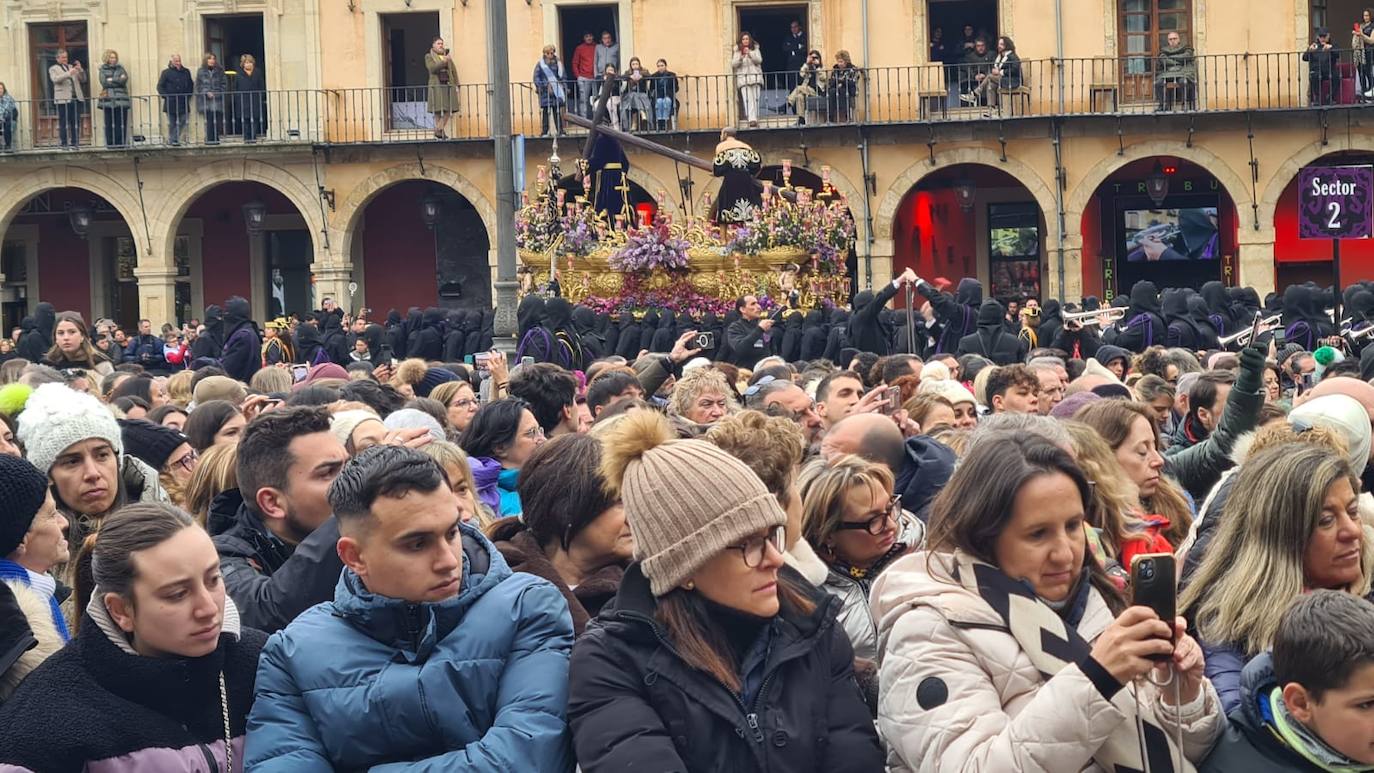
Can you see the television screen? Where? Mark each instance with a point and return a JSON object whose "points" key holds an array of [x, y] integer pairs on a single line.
{"points": [[1171, 234], [1014, 242]]}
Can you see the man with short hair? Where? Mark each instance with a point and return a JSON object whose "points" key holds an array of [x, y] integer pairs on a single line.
{"points": [[1206, 403], [897, 365], [836, 396], [749, 336], [783, 398], [1013, 389], [552, 394], [609, 387], [1052, 384], [432, 655], [920, 466], [607, 53], [275, 534], [584, 70]]}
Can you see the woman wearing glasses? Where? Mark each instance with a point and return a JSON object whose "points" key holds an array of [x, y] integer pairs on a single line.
{"points": [[164, 449], [498, 441], [713, 655], [857, 526], [459, 400]]}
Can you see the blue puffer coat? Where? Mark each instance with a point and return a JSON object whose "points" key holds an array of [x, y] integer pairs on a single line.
{"points": [[478, 682]]}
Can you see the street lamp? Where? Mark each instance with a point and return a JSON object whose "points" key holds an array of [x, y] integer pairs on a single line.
{"points": [[255, 216], [430, 207], [79, 215], [965, 191], [1157, 185]]}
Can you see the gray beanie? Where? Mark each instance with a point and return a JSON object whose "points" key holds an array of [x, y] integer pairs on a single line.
{"points": [[56, 418], [406, 418], [685, 500]]}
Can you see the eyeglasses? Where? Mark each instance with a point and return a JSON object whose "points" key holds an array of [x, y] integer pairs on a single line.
{"points": [[533, 433], [466, 402], [753, 550], [188, 462], [875, 524]]}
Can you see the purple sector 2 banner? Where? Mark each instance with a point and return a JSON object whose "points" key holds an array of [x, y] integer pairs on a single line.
{"points": [[1334, 202]]}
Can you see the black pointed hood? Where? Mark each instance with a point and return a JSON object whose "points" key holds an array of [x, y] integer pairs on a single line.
{"points": [[557, 314], [584, 320], [529, 313], [237, 314], [969, 292], [991, 314], [1144, 297]]}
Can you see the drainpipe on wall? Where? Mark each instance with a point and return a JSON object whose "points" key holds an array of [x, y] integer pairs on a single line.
{"points": [[863, 155], [1060, 178]]}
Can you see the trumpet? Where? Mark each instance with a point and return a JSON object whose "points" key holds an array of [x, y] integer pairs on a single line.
{"points": [[1355, 335], [1087, 318], [1243, 337]]}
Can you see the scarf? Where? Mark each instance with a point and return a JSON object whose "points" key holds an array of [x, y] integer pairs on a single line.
{"points": [[10, 571], [552, 78], [1299, 739], [1051, 644]]}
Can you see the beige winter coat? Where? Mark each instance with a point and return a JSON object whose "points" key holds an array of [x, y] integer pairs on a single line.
{"points": [[35, 607], [997, 714], [748, 69]]}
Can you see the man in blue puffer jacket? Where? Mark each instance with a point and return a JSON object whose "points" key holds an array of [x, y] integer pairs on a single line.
{"points": [[432, 656]]}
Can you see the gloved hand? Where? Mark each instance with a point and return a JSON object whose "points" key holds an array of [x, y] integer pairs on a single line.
{"points": [[1250, 379]]}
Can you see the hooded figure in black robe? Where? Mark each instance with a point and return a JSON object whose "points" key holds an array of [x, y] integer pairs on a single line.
{"points": [[957, 314], [992, 339], [209, 344], [814, 333], [1143, 324], [867, 331]]}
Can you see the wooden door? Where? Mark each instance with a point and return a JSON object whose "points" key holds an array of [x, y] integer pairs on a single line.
{"points": [[1144, 28], [44, 42]]}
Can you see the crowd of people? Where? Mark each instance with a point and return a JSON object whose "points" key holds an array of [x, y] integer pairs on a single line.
{"points": [[853, 539]]}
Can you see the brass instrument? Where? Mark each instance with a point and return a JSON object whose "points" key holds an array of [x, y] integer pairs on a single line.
{"points": [[1089, 318], [1243, 337]]}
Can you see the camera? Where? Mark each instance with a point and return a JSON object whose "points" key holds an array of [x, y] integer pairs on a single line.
{"points": [[1147, 570], [705, 341]]}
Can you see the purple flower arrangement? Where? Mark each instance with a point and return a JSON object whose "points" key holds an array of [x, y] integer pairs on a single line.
{"points": [[651, 247]]}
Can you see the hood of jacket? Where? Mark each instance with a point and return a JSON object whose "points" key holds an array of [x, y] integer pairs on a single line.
{"points": [[1174, 305], [529, 313], [45, 318], [1106, 353], [416, 629], [1217, 299], [1050, 313], [969, 292], [926, 467], [374, 336], [307, 336], [557, 314], [1343, 414], [1257, 678], [991, 314], [584, 320], [236, 315], [1144, 297]]}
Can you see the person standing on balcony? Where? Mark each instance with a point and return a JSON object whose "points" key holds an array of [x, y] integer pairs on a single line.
{"points": [[548, 83], [1364, 38], [812, 79], [443, 86], [663, 89], [1321, 69], [176, 86], [67, 96], [795, 50], [842, 88], [250, 93], [211, 85], [607, 54], [584, 70], [747, 64], [9, 113], [1177, 68], [114, 100]]}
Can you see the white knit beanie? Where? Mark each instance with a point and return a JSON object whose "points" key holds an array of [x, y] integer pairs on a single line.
{"points": [[56, 418], [343, 423]]}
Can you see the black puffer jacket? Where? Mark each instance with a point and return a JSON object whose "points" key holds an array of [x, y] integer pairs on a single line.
{"points": [[635, 705]]}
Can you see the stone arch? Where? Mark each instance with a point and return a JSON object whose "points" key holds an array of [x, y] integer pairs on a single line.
{"points": [[124, 201], [886, 211], [301, 194], [1077, 201], [1288, 170], [345, 221]]}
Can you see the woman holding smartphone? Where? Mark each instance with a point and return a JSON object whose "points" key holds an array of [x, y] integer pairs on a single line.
{"points": [[1005, 646]]}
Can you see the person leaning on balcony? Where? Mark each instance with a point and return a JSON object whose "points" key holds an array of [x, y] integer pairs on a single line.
{"points": [[67, 96], [1321, 69], [1175, 67], [811, 80], [443, 86], [9, 113], [211, 84], [1004, 75], [176, 86], [114, 100], [747, 64]]}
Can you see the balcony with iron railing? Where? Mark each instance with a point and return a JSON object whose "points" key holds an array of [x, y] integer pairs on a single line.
{"points": [[915, 94]]}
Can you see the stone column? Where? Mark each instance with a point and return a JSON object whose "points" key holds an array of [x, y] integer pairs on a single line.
{"points": [[1073, 269], [1256, 260], [157, 293], [331, 280]]}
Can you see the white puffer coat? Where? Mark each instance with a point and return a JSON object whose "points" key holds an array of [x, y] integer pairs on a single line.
{"points": [[957, 693]]}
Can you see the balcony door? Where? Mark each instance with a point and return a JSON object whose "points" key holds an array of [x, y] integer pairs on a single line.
{"points": [[45, 40], [1144, 28]]}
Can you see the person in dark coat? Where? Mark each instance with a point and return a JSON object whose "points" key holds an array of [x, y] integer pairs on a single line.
{"points": [[335, 341], [427, 342], [666, 333], [790, 346], [814, 334], [210, 344], [688, 669], [1220, 311], [1202, 320], [1050, 322], [956, 314], [750, 336], [250, 98], [38, 338], [866, 333], [395, 333], [176, 86], [242, 355], [309, 346], [627, 345], [1304, 320], [1144, 325], [1181, 329], [648, 327], [992, 339], [838, 338], [585, 322], [555, 339], [456, 342]]}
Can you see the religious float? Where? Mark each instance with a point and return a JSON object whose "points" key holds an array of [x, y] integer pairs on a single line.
{"points": [[579, 237]]}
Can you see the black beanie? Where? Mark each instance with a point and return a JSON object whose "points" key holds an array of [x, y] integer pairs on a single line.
{"points": [[22, 490], [150, 443]]}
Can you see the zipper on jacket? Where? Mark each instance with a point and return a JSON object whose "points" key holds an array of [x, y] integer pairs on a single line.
{"points": [[753, 720], [750, 718]]}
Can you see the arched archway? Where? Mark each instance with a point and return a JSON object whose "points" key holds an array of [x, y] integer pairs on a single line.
{"points": [[345, 221], [420, 243], [1080, 197], [973, 220], [1298, 260], [73, 248], [124, 201], [1024, 175]]}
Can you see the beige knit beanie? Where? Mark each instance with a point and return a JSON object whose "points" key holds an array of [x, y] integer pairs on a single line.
{"points": [[685, 500]]}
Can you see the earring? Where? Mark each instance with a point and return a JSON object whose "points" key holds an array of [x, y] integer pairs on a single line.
{"points": [[690, 585]]}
